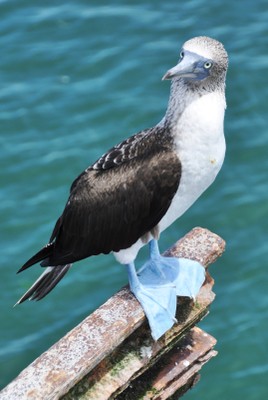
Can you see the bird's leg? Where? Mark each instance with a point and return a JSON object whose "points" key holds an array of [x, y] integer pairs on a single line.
{"points": [[187, 275], [157, 297], [154, 260]]}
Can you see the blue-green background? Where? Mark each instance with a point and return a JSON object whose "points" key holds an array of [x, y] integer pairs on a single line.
{"points": [[77, 77]]}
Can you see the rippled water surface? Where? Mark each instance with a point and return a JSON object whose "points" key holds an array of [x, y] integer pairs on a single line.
{"points": [[78, 77]]}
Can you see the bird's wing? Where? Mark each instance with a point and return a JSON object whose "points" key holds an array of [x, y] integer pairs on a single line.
{"points": [[119, 199]]}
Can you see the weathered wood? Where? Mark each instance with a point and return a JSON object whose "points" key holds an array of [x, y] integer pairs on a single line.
{"points": [[177, 371], [83, 360]]}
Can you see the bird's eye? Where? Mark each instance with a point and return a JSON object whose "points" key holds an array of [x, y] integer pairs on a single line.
{"points": [[181, 55], [207, 64]]}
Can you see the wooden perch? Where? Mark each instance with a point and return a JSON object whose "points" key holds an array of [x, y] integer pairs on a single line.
{"points": [[111, 355]]}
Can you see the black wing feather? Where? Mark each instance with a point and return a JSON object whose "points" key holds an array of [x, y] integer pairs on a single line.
{"points": [[43, 254], [110, 208], [117, 200]]}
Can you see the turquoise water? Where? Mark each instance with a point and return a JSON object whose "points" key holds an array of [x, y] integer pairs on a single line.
{"points": [[78, 77]]}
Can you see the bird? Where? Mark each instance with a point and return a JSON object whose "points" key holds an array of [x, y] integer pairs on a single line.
{"points": [[139, 187]]}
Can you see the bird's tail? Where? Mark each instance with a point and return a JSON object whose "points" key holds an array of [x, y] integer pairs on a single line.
{"points": [[49, 278], [45, 283]]}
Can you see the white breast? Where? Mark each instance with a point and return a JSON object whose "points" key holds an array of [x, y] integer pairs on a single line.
{"points": [[200, 145]]}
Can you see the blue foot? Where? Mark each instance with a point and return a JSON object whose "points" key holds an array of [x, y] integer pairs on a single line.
{"points": [[187, 275], [157, 297], [158, 283]]}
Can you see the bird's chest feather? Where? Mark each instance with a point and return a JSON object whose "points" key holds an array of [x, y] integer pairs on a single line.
{"points": [[200, 145], [199, 137]]}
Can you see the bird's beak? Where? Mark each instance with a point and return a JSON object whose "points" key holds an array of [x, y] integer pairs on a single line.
{"points": [[186, 68]]}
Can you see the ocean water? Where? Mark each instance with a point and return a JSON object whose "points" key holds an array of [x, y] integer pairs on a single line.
{"points": [[77, 77]]}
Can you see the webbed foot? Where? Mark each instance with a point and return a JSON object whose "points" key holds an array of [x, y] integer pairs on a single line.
{"points": [[158, 283], [157, 297]]}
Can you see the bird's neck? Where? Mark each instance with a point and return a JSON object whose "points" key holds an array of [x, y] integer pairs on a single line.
{"points": [[183, 95]]}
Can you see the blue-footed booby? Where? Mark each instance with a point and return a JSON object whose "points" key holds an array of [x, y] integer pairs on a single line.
{"points": [[142, 185]]}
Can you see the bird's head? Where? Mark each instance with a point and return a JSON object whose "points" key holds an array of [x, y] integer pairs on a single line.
{"points": [[200, 58]]}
